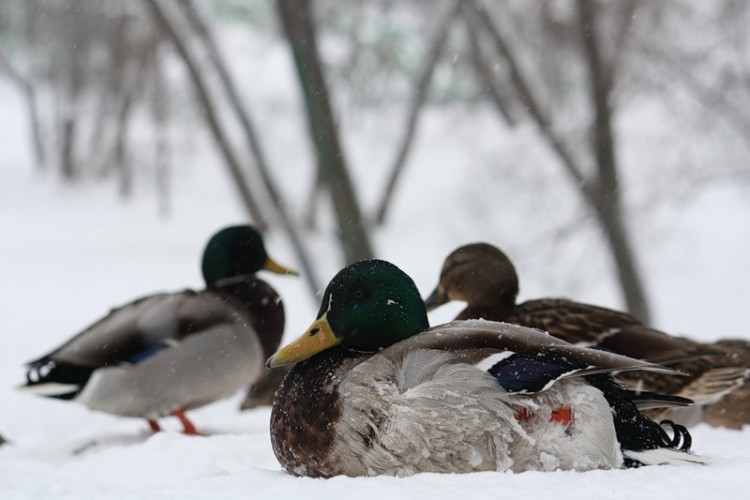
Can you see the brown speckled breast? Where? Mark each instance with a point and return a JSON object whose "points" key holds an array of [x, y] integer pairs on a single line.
{"points": [[265, 308], [305, 410]]}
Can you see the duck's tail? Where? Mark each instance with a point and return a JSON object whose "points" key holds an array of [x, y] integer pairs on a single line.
{"points": [[662, 456], [55, 379], [644, 400], [643, 441]]}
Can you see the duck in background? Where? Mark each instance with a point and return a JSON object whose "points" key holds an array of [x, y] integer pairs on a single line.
{"points": [[733, 410], [374, 390], [262, 391], [482, 275], [167, 353]]}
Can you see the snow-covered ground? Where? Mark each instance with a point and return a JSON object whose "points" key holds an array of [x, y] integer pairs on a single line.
{"points": [[69, 253]]}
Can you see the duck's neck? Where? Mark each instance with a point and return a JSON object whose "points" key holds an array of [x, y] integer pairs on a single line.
{"points": [[492, 298], [264, 305], [497, 312]]}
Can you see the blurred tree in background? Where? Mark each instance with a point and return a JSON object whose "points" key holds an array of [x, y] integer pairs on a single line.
{"points": [[102, 94]]}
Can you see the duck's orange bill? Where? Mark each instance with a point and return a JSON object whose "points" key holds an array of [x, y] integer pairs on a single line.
{"points": [[317, 338], [274, 267]]}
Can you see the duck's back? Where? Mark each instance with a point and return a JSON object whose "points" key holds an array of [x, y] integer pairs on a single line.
{"points": [[615, 331], [571, 321], [161, 353], [434, 413]]}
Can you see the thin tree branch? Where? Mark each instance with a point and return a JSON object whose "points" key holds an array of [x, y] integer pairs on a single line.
{"points": [[312, 200], [420, 95], [209, 112], [485, 74], [161, 111], [120, 156], [600, 86], [626, 22], [34, 120], [600, 194], [731, 113], [12, 72], [297, 21], [253, 143], [608, 205], [479, 16]]}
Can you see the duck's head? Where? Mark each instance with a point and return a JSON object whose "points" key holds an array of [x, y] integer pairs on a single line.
{"points": [[367, 306], [478, 274], [237, 251]]}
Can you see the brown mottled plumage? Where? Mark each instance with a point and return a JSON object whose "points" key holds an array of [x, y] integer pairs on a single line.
{"points": [[733, 410], [485, 278], [306, 406]]}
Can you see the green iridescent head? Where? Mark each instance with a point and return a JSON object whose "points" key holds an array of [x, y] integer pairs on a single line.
{"points": [[367, 306], [237, 251]]}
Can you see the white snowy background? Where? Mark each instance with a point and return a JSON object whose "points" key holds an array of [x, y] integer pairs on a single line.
{"points": [[68, 253]]}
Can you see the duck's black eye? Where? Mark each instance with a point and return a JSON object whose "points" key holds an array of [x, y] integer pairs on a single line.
{"points": [[359, 294]]}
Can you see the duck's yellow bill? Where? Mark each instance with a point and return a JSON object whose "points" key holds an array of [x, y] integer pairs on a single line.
{"points": [[317, 338], [274, 267]]}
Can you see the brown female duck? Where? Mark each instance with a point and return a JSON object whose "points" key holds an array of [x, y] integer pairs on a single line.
{"points": [[484, 277]]}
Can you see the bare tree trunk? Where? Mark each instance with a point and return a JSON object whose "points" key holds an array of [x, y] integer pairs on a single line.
{"points": [[72, 70], [121, 95], [212, 119], [99, 140], [253, 142], [612, 63], [161, 108], [435, 47], [311, 214], [486, 76], [601, 193], [608, 202], [67, 153], [37, 135], [476, 14], [122, 165], [35, 123], [296, 18]]}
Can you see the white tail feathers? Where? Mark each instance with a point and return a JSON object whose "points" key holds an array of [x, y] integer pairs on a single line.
{"points": [[49, 389], [665, 456]]}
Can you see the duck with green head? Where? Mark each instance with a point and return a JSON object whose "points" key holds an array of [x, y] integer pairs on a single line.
{"points": [[484, 277], [374, 391], [167, 353]]}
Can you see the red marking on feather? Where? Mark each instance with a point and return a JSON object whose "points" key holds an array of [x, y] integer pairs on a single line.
{"points": [[562, 415]]}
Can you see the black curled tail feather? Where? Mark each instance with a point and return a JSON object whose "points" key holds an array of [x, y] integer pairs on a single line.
{"points": [[681, 440], [635, 431], [48, 371]]}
